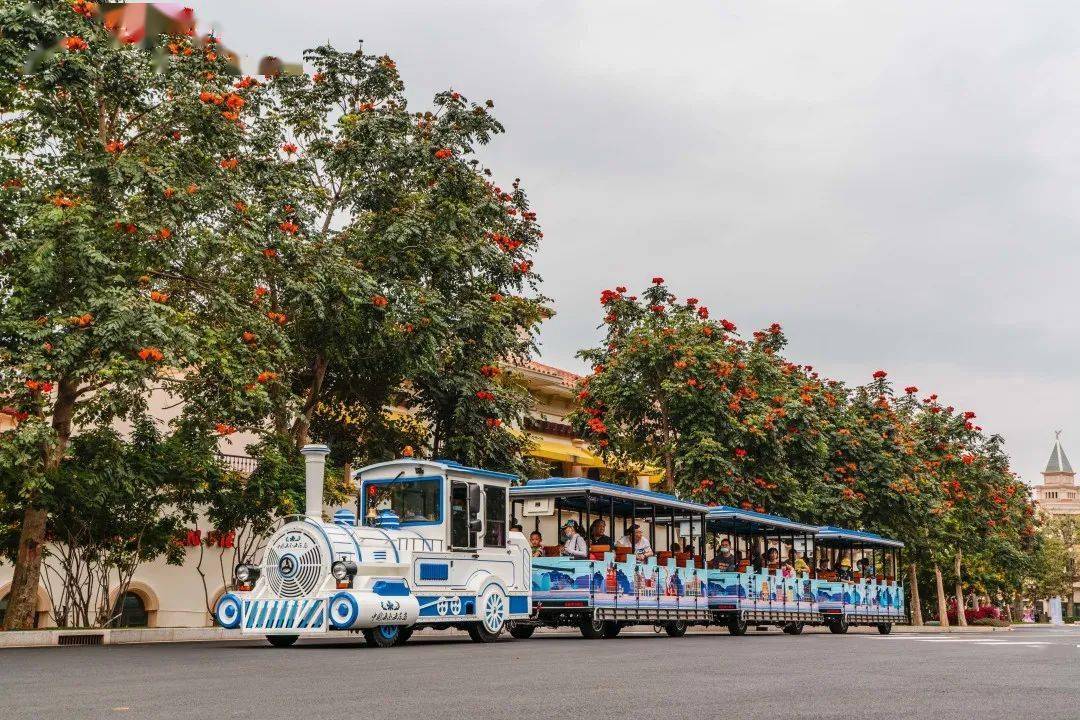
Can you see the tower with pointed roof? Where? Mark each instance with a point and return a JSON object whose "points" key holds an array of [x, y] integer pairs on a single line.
{"points": [[1059, 493]]}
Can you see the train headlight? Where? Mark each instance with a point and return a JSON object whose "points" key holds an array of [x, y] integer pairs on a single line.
{"points": [[342, 570]]}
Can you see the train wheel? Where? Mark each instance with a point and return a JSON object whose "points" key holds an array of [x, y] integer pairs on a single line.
{"points": [[838, 627], [282, 640], [676, 628], [794, 628], [383, 636], [590, 628], [521, 631], [493, 607], [884, 628], [737, 627], [611, 628], [403, 635]]}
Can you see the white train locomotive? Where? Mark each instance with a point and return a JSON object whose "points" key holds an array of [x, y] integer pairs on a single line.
{"points": [[432, 548]]}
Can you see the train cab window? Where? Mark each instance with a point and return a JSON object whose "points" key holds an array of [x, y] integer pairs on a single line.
{"points": [[494, 516], [460, 534], [415, 502]]}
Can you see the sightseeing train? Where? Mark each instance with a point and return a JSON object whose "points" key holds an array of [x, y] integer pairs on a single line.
{"points": [[437, 544]]}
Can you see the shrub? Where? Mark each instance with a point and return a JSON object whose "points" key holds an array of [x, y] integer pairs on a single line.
{"points": [[989, 621]]}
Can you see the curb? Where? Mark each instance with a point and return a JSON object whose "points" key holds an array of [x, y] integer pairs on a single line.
{"points": [[118, 636]]}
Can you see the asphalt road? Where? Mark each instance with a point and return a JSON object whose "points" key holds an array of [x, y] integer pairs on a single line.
{"points": [[1029, 673]]}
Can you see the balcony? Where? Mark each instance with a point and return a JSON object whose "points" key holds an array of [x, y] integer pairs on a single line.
{"points": [[548, 427]]}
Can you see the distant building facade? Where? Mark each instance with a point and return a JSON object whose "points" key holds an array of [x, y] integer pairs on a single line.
{"points": [[1060, 495]]}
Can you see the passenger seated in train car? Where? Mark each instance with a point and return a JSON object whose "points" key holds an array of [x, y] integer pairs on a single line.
{"points": [[724, 559], [845, 570], [800, 565], [865, 568], [598, 533], [787, 569], [635, 538], [675, 548], [574, 545], [772, 558], [536, 543]]}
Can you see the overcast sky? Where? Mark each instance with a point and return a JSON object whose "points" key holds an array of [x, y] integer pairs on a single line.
{"points": [[895, 183]]}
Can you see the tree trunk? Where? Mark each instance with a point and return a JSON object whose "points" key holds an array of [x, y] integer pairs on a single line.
{"points": [[916, 601], [961, 606], [22, 600], [942, 608], [303, 422]]}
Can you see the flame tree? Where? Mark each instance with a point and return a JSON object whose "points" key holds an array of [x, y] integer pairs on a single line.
{"points": [[731, 421]]}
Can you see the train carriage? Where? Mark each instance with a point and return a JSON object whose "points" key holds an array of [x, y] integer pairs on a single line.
{"points": [[613, 586], [745, 588], [859, 583]]}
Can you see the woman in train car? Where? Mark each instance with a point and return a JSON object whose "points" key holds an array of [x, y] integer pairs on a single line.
{"points": [[598, 533], [635, 538], [574, 545], [772, 559]]}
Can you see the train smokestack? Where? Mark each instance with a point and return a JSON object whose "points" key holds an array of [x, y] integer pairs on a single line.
{"points": [[314, 472]]}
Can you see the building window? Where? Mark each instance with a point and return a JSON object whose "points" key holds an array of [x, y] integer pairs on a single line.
{"points": [[1051, 494], [132, 611]]}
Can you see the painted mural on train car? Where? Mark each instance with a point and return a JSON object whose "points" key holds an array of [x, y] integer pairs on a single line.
{"points": [[603, 583]]}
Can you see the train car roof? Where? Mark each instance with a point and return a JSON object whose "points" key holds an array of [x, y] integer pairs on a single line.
{"points": [[438, 464], [855, 537], [738, 520], [553, 487]]}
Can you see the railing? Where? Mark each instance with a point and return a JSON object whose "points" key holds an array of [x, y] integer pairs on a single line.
{"points": [[549, 427], [419, 544], [243, 464]]}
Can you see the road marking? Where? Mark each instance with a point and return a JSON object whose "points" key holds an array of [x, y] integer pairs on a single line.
{"points": [[974, 641]]}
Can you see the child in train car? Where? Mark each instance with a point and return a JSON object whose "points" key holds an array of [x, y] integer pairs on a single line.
{"points": [[800, 566], [845, 570], [536, 543], [787, 570]]}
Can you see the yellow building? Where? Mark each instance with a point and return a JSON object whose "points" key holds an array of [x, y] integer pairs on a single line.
{"points": [[554, 443]]}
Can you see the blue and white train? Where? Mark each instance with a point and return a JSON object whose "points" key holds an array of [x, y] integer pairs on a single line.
{"points": [[434, 550], [431, 545]]}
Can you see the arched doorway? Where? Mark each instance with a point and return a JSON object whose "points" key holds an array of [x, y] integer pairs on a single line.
{"points": [[136, 608], [131, 611]]}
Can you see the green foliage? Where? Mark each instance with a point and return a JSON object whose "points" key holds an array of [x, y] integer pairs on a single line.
{"points": [[732, 422], [117, 502], [388, 268]]}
